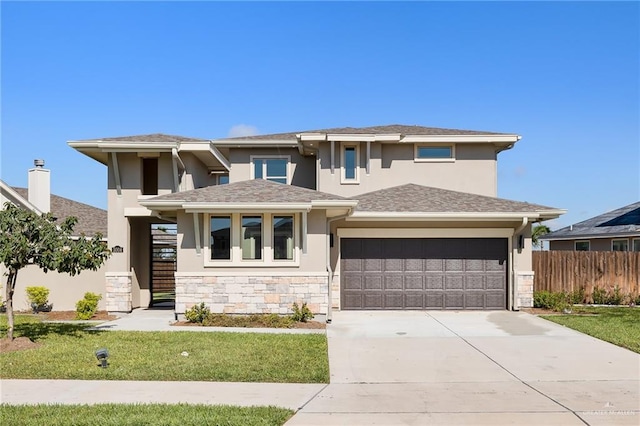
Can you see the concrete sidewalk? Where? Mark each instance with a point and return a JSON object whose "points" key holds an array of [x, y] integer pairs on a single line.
{"points": [[292, 396]]}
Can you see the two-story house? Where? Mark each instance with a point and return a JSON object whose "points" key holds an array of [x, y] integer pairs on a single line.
{"points": [[390, 217]]}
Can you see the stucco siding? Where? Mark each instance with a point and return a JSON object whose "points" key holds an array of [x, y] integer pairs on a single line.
{"points": [[301, 169], [595, 244], [64, 290], [473, 171]]}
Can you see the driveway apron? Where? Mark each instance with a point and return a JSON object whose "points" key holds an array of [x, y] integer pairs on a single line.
{"points": [[443, 367]]}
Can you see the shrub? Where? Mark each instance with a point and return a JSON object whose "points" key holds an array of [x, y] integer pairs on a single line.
{"points": [[615, 297], [38, 295], [301, 314], [599, 296], [197, 313], [577, 296], [549, 300], [86, 308]]}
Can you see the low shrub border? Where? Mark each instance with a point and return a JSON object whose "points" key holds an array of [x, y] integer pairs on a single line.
{"points": [[559, 301]]}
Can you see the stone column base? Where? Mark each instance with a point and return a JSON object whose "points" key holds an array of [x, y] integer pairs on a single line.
{"points": [[524, 287], [118, 291]]}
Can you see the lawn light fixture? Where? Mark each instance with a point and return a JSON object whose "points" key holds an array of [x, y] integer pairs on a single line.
{"points": [[102, 355]]}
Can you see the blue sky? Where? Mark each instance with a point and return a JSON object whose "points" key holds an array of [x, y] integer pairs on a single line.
{"points": [[564, 75]]}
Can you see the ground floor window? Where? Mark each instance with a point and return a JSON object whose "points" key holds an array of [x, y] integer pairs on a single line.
{"points": [[220, 241], [636, 244], [283, 237], [582, 245], [620, 245], [251, 239]]}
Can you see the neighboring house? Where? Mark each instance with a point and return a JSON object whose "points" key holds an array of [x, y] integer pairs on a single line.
{"points": [[617, 230], [65, 290], [390, 217]]}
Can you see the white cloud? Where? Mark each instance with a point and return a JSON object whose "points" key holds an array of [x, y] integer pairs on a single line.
{"points": [[240, 130]]}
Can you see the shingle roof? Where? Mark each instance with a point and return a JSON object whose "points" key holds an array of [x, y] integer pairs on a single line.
{"points": [[389, 129], [91, 220], [414, 198], [154, 137], [249, 191], [619, 222]]}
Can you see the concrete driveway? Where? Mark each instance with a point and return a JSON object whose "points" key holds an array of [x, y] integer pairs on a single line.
{"points": [[476, 368]]}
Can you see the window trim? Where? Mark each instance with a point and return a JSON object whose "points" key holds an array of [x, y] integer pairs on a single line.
{"points": [[252, 159], [417, 159], [343, 170], [262, 238], [620, 239], [575, 243], [273, 237], [267, 241]]}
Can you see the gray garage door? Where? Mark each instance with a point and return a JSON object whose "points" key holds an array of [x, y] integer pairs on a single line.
{"points": [[423, 273]]}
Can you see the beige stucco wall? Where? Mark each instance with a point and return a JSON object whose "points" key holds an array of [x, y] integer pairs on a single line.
{"points": [[196, 175], [301, 173], [314, 261], [64, 290], [473, 171]]}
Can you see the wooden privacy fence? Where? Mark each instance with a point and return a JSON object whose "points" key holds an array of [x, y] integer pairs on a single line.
{"points": [[570, 270], [163, 275]]}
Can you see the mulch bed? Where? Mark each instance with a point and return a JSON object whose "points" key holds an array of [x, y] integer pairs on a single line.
{"points": [[305, 325]]}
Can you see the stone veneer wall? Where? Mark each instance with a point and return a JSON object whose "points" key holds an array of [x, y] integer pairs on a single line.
{"points": [[118, 292], [251, 294], [524, 285]]}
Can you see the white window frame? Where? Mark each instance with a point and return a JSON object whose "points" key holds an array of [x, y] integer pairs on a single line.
{"points": [[575, 244], [267, 242], [617, 240], [417, 159], [343, 170], [633, 244], [264, 166]]}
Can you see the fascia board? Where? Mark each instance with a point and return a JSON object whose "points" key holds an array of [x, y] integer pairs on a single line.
{"points": [[18, 198], [256, 143], [451, 216], [221, 158], [161, 204], [311, 137], [194, 146], [334, 203], [243, 207], [341, 137], [461, 138]]}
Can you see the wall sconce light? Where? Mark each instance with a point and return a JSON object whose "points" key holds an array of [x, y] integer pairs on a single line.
{"points": [[102, 355]]}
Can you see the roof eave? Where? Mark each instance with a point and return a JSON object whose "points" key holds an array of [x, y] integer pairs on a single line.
{"points": [[444, 216]]}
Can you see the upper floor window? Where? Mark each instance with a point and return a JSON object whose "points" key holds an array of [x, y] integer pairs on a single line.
{"points": [[350, 163], [582, 245], [434, 153], [149, 176], [275, 169], [620, 245], [223, 179]]}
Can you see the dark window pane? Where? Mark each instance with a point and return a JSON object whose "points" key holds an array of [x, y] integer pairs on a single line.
{"points": [[582, 245], [223, 179], [434, 152], [276, 167], [278, 180], [283, 237], [221, 237], [257, 169], [149, 176], [350, 162], [251, 237]]}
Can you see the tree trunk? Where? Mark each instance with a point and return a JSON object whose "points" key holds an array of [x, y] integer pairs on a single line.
{"points": [[11, 285]]}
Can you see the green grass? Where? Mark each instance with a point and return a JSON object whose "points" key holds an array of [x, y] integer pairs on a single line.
{"points": [[67, 352], [620, 326], [141, 414]]}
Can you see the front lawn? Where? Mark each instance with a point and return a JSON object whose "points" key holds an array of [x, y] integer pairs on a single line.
{"points": [[68, 352], [142, 414], [620, 326]]}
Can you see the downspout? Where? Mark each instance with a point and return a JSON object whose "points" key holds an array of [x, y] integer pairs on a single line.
{"points": [[516, 231], [329, 270]]}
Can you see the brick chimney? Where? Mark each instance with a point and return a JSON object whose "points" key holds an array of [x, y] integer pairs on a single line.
{"points": [[40, 187]]}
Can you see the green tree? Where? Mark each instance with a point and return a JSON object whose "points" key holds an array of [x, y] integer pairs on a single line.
{"points": [[537, 232], [28, 238]]}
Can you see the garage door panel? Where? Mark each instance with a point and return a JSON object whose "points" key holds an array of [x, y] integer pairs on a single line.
{"points": [[352, 282], [373, 282], [424, 273], [393, 282], [372, 301], [413, 282], [474, 282], [454, 300], [434, 265], [393, 301], [473, 300], [434, 282], [372, 265], [393, 265], [414, 300], [454, 282]]}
